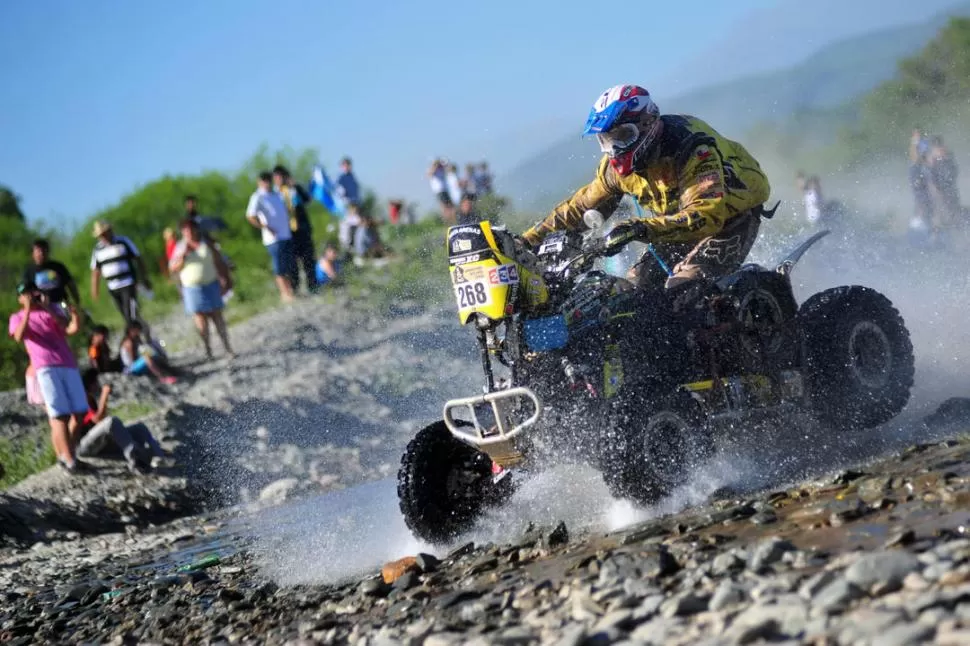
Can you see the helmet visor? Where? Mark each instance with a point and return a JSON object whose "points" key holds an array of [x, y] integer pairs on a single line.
{"points": [[618, 139]]}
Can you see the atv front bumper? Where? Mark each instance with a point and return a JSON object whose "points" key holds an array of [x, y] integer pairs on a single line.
{"points": [[490, 422]]}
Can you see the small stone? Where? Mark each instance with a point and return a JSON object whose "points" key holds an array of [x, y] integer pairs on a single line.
{"points": [[816, 583], [726, 563], [427, 563], [768, 552], [955, 577], [959, 637], [558, 536], [406, 581], [901, 539], [394, 570], [374, 587], [863, 624], [460, 551], [836, 596], [727, 594], [685, 604], [764, 518], [904, 634], [887, 567]]}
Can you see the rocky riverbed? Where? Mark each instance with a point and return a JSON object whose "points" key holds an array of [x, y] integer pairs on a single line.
{"points": [[875, 550]]}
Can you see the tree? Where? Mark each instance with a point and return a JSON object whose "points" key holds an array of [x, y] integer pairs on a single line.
{"points": [[10, 204]]}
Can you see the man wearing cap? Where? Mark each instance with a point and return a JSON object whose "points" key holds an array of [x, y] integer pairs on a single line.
{"points": [[44, 334], [117, 259]]}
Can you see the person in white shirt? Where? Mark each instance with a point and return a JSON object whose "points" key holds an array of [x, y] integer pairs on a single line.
{"points": [[453, 183], [437, 176], [267, 212]]}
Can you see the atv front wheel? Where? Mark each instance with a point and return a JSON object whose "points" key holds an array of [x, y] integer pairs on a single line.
{"points": [[858, 357], [442, 484], [657, 447]]}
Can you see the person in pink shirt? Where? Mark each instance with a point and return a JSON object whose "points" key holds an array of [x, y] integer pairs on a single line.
{"points": [[44, 335]]}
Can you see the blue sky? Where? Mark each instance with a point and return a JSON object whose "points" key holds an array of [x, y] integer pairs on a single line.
{"points": [[103, 95]]}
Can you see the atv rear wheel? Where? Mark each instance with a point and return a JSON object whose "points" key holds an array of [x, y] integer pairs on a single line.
{"points": [[858, 357], [659, 444], [442, 484]]}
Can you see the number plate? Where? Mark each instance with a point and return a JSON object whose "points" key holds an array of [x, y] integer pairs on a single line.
{"points": [[472, 294]]}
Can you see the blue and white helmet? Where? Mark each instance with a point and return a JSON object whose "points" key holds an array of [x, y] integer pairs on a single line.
{"points": [[626, 123]]}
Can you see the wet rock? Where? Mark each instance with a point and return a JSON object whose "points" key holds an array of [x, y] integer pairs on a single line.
{"points": [[427, 563], [394, 570], [558, 536], [887, 568]]}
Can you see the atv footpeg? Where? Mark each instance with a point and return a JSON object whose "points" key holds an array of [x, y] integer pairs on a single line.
{"points": [[491, 416]]}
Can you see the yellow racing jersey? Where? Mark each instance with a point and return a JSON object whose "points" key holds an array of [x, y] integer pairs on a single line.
{"points": [[693, 183]]}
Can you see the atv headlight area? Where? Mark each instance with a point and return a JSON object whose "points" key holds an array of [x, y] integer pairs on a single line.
{"points": [[493, 418]]}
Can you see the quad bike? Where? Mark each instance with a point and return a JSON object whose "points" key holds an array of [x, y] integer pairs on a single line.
{"points": [[594, 368]]}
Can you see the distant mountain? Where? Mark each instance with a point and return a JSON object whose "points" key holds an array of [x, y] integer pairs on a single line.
{"points": [[785, 33], [829, 78]]}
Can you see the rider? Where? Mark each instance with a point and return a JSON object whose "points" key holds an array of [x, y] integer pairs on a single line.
{"points": [[705, 191]]}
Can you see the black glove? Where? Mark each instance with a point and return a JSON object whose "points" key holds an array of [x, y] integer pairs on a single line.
{"points": [[623, 234]]}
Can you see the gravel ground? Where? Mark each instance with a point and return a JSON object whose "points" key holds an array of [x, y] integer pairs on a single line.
{"points": [[324, 397]]}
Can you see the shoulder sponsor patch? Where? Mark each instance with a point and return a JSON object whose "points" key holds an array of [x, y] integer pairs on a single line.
{"points": [[503, 275]]}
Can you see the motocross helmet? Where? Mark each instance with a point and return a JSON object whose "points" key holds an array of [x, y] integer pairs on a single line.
{"points": [[627, 124]]}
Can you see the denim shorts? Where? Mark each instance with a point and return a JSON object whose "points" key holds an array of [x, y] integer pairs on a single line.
{"points": [[62, 390], [281, 255]]}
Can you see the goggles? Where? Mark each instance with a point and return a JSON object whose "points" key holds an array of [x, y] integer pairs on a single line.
{"points": [[618, 139]]}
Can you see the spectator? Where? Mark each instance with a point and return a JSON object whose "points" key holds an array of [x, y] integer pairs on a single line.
{"points": [[347, 235], [139, 357], [466, 210], [44, 334], [99, 432], [99, 352], [919, 178], [117, 259], [328, 268], [436, 174], [205, 278], [168, 234], [51, 277], [812, 197], [483, 179], [296, 200], [469, 183], [394, 210], [267, 213], [367, 241], [943, 174], [452, 183], [206, 225], [347, 187]]}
